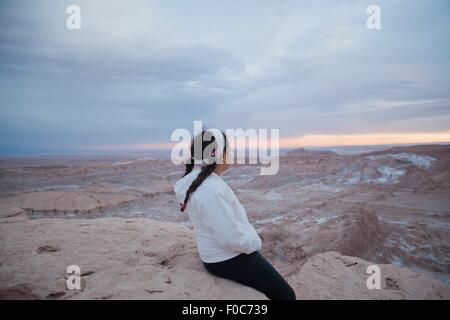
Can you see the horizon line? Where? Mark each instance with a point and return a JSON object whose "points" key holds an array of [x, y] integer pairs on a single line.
{"points": [[309, 140], [306, 141]]}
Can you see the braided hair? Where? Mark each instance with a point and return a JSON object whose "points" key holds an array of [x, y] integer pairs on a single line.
{"points": [[206, 170]]}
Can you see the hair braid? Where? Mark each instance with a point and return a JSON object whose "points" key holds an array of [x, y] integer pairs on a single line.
{"points": [[189, 167], [204, 173]]}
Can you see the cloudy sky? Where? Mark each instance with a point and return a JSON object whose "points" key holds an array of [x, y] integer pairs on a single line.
{"points": [[137, 70]]}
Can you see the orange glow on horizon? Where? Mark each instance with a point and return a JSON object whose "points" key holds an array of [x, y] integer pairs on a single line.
{"points": [[364, 139], [310, 140]]}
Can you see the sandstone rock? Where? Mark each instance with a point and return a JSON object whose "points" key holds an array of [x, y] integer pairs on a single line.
{"points": [[331, 275], [148, 259], [78, 200]]}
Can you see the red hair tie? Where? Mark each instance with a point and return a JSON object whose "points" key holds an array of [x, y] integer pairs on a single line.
{"points": [[183, 206]]}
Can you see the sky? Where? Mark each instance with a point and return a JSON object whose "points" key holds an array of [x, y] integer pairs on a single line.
{"points": [[137, 70]]}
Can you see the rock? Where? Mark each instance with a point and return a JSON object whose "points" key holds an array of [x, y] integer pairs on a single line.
{"points": [[10, 214], [78, 200], [148, 259], [331, 275], [118, 258], [358, 232]]}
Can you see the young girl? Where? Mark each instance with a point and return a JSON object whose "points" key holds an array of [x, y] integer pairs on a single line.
{"points": [[227, 243]]}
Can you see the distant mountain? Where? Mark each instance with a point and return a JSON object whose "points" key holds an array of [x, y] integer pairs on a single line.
{"points": [[426, 149], [309, 151]]}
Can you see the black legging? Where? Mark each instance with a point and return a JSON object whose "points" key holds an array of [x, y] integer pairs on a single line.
{"points": [[254, 271]]}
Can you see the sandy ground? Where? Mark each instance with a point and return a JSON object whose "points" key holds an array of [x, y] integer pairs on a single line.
{"points": [[149, 259], [389, 207]]}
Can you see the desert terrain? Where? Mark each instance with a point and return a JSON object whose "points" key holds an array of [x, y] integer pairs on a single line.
{"points": [[323, 219]]}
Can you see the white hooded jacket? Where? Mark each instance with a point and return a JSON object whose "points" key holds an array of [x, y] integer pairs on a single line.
{"points": [[220, 221]]}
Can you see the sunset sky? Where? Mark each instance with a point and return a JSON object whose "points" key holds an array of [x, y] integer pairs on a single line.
{"points": [[137, 70]]}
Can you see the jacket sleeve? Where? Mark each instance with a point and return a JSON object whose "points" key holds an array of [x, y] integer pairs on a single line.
{"points": [[232, 234]]}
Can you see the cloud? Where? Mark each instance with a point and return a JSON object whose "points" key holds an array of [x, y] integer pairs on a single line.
{"points": [[137, 70]]}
